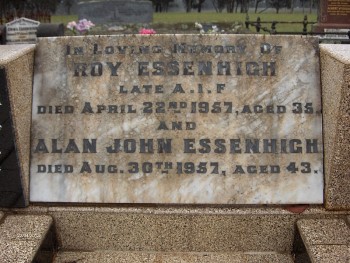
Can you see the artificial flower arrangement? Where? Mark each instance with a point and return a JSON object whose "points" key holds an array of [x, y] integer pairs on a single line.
{"points": [[147, 31], [81, 28]]}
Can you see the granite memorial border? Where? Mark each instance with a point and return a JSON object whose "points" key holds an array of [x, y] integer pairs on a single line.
{"points": [[271, 232], [177, 119], [11, 191], [15, 123]]}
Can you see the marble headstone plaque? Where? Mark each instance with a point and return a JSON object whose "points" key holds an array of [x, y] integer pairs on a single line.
{"points": [[200, 119]]}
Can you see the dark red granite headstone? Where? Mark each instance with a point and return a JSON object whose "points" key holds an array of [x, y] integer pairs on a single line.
{"points": [[334, 14]]}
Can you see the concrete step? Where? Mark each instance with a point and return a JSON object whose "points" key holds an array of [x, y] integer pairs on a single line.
{"points": [[326, 240], [173, 257], [26, 238], [175, 229], [179, 233]]}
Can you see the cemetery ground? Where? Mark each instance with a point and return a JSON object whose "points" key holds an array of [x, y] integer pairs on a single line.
{"points": [[227, 23]]}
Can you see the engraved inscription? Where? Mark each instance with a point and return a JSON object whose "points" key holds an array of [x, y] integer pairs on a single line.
{"points": [[338, 7], [177, 119]]}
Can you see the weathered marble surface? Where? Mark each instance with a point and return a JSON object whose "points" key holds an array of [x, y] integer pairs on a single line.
{"points": [[275, 75]]}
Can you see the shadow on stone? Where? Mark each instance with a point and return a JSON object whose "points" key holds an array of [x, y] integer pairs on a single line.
{"points": [[299, 249], [11, 192], [48, 248]]}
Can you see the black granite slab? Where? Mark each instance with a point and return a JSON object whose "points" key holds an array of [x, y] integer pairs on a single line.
{"points": [[11, 189]]}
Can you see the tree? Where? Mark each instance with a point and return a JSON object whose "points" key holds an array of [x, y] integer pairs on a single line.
{"points": [[158, 4], [44, 5], [189, 4], [34, 9], [317, 5], [244, 5], [198, 4], [278, 4], [68, 4], [303, 5], [165, 5], [3, 7], [311, 5], [17, 7], [256, 4], [230, 6], [218, 5]]}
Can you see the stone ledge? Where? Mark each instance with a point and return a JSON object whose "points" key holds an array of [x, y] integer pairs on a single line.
{"points": [[324, 231], [326, 240], [177, 228], [329, 253], [339, 52], [25, 227], [225, 231], [22, 236], [335, 68], [144, 257], [12, 52], [17, 251], [175, 209]]}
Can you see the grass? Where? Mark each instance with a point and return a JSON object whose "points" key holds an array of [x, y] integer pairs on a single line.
{"points": [[172, 20], [63, 19], [212, 17], [176, 17]]}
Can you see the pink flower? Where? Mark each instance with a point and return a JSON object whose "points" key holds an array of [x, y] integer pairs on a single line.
{"points": [[146, 31], [82, 26], [71, 25]]}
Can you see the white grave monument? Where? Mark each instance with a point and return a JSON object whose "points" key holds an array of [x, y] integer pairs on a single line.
{"points": [[22, 31]]}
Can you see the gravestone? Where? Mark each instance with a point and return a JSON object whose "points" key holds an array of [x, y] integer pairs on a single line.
{"points": [[116, 11], [334, 14], [22, 31], [177, 119], [336, 34]]}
